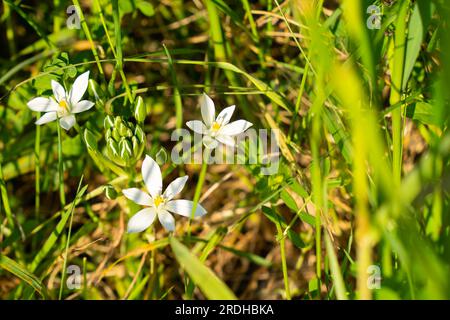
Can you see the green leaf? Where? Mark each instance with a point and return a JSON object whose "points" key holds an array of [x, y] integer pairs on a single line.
{"points": [[146, 8], [210, 285], [72, 146], [423, 112], [413, 44], [277, 219], [22, 273], [288, 200]]}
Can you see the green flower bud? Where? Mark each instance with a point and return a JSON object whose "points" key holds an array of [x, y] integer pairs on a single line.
{"points": [[108, 122], [125, 141], [113, 148], [140, 111], [130, 125], [117, 121], [125, 147], [108, 134], [115, 134], [138, 147], [129, 133], [139, 134], [110, 192], [122, 130], [161, 156]]}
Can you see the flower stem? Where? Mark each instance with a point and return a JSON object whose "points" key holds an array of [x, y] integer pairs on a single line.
{"points": [[198, 188], [89, 37], [62, 195], [37, 169], [69, 232], [283, 261]]}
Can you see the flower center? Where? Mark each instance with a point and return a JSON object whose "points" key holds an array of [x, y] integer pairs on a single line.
{"points": [[158, 201], [215, 126], [63, 104]]}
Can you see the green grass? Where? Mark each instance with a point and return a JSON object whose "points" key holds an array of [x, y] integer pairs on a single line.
{"points": [[362, 127]]}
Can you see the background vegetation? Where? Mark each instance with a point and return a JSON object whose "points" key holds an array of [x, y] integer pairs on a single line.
{"points": [[363, 181]]}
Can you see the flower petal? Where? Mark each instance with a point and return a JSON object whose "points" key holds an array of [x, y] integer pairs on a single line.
{"points": [[197, 126], [42, 104], [58, 91], [79, 88], [47, 117], [225, 115], [184, 208], [209, 142], [175, 187], [151, 174], [227, 140], [138, 196], [141, 220], [235, 128], [208, 110], [83, 105], [167, 220], [67, 122]]}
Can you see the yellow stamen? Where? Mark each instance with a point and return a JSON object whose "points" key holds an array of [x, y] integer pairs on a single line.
{"points": [[215, 126], [63, 104], [158, 200]]}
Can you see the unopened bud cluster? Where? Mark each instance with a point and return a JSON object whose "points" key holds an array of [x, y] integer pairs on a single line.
{"points": [[125, 141]]}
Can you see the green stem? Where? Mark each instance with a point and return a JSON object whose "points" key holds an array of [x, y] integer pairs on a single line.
{"points": [[56, 18], [397, 77], [9, 30], [298, 102], [84, 278], [66, 252], [89, 36], [62, 195], [283, 260], [119, 58], [102, 19], [176, 91], [37, 170], [198, 188]]}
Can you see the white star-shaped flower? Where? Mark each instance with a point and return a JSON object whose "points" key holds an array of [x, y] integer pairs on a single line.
{"points": [[217, 130], [64, 104], [158, 203]]}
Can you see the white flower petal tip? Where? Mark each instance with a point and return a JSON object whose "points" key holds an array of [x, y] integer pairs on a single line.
{"points": [[58, 91], [225, 115], [197, 126], [79, 88], [167, 220], [141, 220], [235, 128], [151, 174], [175, 187], [46, 118], [208, 110], [67, 122], [82, 106], [210, 142], [41, 104], [138, 196], [226, 140], [185, 207]]}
